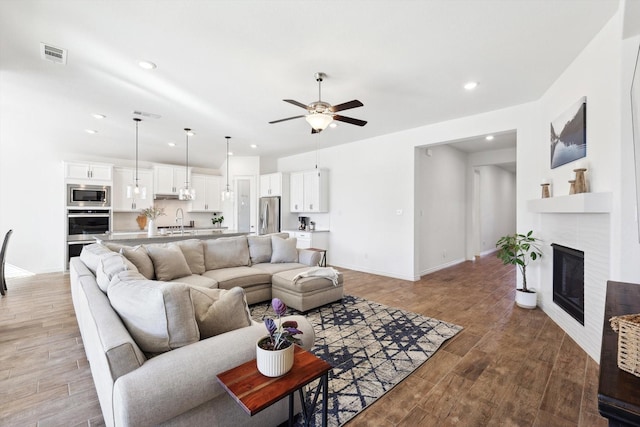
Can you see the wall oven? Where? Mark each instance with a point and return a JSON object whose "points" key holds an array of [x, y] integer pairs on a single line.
{"points": [[88, 195], [82, 225]]}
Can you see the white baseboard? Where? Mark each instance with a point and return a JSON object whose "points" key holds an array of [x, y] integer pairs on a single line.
{"points": [[442, 266]]}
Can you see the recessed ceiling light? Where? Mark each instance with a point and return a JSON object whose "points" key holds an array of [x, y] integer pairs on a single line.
{"points": [[91, 131], [98, 116], [471, 85], [230, 153], [172, 144], [333, 125], [253, 146], [489, 138], [147, 65]]}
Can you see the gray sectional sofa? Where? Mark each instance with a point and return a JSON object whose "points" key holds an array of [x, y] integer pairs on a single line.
{"points": [[160, 321]]}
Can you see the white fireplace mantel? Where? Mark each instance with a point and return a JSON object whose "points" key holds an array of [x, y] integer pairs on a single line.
{"points": [[575, 203]]}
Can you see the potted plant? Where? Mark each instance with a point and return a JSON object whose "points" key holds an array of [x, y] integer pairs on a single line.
{"points": [[521, 249], [152, 213], [217, 220], [274, 352]]}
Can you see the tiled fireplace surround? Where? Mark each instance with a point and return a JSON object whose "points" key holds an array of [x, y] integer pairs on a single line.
{"points": [[581, 222]]}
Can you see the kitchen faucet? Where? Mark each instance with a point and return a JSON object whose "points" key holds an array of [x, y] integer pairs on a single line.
{"points": [[181, 218]]}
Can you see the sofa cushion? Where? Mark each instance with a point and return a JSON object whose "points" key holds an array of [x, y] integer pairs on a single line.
{"points": [[267, 267], [219, 310], [226, 252], [109, 266], [91, 254], [259, 249], [198, 280], [284, 250], [244, 277], [193, 251], [168, 262], [158, 315], [140, 258]]}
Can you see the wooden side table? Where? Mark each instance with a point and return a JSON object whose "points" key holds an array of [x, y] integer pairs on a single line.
{"points": [[323, 260], [618, 391], [255, 392]]}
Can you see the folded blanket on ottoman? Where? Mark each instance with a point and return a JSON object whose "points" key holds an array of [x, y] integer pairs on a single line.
{"points": [[326, 272]]}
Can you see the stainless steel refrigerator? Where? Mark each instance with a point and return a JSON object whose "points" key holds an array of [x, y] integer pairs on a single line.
{"points": [[269, 215]]}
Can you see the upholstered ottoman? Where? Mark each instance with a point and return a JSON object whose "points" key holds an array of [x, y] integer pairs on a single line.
{"points": [[305, 293]]}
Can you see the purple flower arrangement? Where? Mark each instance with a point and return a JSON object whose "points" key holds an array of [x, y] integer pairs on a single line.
{"points": [[281, 335]]}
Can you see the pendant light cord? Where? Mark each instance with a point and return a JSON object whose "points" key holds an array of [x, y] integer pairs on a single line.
{"points": [[186, 171], [228, 138], [137, 120]]}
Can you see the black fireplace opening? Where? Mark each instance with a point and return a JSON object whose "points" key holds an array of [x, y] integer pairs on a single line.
{"points": [[568, 280]]}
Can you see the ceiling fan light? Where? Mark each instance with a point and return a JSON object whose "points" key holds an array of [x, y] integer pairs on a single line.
{"points": [[319, 121]]}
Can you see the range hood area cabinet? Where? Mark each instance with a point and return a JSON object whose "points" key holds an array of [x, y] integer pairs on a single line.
{"points": [[309, 191], [167, 180], [273, 184], [124, 177], [82, 172], [208, 189]]}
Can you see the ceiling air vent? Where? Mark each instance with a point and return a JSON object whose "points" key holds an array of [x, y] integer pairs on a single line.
{"points": [[53, 54], [147, 115]]}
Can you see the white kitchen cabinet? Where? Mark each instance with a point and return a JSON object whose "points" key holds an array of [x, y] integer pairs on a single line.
{"points": [[311, 239], [273, 184], [124, 177], [208, 188], [169, 179], [309, 191], [88, 171]]}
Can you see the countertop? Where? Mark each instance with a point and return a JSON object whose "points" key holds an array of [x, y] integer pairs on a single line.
{"points": [[304, 231], [142, 237]]}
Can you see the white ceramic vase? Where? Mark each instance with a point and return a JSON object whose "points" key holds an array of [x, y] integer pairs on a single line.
{"points": [[274, 363], [526, 299], [152, 230]]}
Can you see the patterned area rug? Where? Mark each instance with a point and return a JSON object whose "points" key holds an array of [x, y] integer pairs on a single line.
{"points": [[372, 347]]}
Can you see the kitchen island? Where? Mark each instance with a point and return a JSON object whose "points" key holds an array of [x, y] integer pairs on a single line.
{"points": [[135, 238]]}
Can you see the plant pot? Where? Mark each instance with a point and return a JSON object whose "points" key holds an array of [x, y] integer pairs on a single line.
{"points": [[527, 299], [274, 363]]}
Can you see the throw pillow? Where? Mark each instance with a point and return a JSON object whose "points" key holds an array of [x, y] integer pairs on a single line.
{"points": [[284, 250], [193, 252], [158, 315], [219, 310], [259, 249], [140, 258], [168, 262], [91, 255], [109, 266], [226, 252]]}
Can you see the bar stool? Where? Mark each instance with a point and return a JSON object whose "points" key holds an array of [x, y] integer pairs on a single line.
{"points": [[3, 255]]}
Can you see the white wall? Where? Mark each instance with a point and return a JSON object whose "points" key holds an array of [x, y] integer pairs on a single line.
{"points": [[441, 191], [497, 206]]}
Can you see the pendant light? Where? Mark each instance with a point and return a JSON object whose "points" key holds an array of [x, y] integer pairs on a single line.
{"points": [[187, 193], [134, 191], [227, 194]]}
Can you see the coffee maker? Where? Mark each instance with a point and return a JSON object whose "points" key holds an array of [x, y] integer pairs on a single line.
{"points": [[303, 223]]}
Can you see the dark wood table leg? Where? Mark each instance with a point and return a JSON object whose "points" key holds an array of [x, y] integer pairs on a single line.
{"points": [[291, 409], [325, 398]]}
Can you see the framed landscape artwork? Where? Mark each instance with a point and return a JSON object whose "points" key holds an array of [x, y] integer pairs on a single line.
{"points": [[569, 135], [635, 119]]}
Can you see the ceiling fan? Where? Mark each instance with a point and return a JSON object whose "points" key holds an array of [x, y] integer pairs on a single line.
{"points": [[320, 114]]}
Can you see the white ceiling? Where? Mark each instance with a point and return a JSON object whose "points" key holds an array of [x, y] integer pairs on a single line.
{"points": [[225, 66]]}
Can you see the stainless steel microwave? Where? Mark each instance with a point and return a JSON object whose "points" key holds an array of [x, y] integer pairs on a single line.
{"points": [[88, 195]]}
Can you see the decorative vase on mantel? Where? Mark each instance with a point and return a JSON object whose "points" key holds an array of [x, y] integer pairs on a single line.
{"points": [[152, 230], [274, 363]]}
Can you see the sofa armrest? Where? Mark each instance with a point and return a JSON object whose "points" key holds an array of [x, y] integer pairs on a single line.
{"points": [[307, 257], [179, 380]]}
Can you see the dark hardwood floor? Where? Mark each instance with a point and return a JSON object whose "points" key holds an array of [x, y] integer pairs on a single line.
{"points": [[509, 366]]}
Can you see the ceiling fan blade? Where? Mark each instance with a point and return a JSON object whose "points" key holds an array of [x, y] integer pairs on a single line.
{"points": [[349, 120], [284, 120], [347, 105], [294, 102]]}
